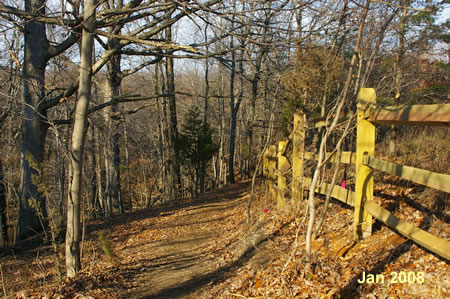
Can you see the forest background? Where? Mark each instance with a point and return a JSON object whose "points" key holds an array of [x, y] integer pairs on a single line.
{"points": [[145, 102]]}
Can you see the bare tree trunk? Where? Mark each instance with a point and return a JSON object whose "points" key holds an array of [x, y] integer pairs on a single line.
{"points": [[73, 259], [98, 173], [234, 108], [205, 111], [251, 122], [37, 52], [220, 156], [144, 183], [60, 186], [112, 157], [92, 176], [162, 116], [111, 116], [165, 140], [3, 224], [173, 122], [243, 161], [127, 163], [233, 120], [398, 69], [34, 127], [106, 198]]}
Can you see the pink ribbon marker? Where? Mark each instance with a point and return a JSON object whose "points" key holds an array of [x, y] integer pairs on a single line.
{"points": [[266, 210], [343, 184]]}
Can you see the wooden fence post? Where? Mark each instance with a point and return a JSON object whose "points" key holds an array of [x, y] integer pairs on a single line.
{"points": [[265, 164], [266, 169], [365, 144], [297, 162], [283, 166], [272, 165]]}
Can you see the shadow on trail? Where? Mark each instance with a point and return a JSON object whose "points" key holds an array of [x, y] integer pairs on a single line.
{"points": [[217, 276], [352, 289]]}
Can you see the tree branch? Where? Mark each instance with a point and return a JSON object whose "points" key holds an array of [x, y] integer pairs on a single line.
{"points": [[114, 101], [29, 16], [64, 45], [128, 72], [137, 40]]}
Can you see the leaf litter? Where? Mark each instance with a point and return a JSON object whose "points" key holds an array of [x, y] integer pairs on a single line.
{"points": [[205, 249]]}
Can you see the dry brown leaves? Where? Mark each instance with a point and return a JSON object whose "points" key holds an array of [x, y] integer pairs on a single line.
{"points": [[209, 249]]}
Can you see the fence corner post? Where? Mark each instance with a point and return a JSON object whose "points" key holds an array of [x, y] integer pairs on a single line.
{"points": [[297, 162], [365, 143]]}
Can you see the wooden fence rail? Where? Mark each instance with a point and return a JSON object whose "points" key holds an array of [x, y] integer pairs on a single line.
{"points": [[277, 167]]}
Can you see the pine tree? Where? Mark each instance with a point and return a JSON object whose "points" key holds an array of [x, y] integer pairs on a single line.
{"points": [[196, 146]]}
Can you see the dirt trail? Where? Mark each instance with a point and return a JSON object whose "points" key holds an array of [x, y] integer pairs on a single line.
{"points": [[204, 249], [179, 251], [164, 252]]}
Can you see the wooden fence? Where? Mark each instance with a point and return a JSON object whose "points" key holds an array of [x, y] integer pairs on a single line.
{"points": [[277, 168]]}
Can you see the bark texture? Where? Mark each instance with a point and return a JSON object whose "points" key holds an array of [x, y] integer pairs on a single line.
{"points": [[112, 149], [73, 259], [175, 172], [34, 126], [37, 53], [3, 224]]}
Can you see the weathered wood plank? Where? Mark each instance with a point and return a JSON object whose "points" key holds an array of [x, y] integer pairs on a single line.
{"points": [[346, 157], [420, 176], [266, 164], [272, 165], [365, 143], [283, 165], [427, 240], [425, 115], [344, 195]]}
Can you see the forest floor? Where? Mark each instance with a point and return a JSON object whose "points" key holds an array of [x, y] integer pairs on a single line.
{"points": [[205, 249]]}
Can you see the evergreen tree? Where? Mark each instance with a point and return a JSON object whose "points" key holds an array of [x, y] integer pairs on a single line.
{"points": [[196, 147]]}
